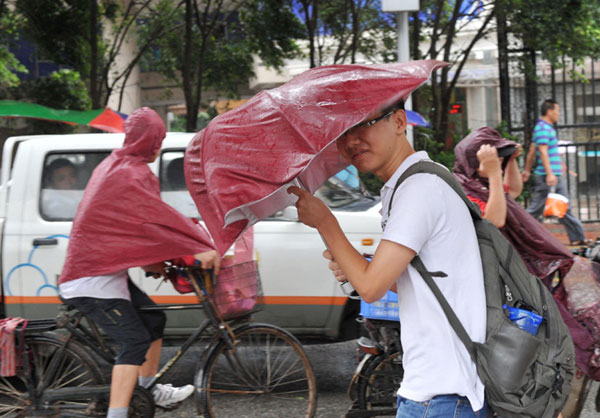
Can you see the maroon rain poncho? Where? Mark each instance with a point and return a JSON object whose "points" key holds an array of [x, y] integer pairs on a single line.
{"points": [[543, 254], [121, 221]]}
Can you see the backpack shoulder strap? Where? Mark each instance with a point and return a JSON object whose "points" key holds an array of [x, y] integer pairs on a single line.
{"points": [[427, 166], [455, 323]]}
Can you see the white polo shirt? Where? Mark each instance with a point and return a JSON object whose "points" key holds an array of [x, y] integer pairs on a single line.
{"points": [[428, 217]]}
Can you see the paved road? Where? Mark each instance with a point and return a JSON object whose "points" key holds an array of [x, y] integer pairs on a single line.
{"points": [[333, 365]]}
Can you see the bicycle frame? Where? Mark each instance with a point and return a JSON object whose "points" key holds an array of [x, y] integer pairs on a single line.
{"points": [[383, 341], [201, 280]]}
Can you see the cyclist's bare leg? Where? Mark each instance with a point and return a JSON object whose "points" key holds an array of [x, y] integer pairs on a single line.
{"points": [[150, 366], [124, 379]]}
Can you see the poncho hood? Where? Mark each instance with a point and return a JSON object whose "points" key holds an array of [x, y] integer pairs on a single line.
{"points": [[540, 250], [121, 221]]}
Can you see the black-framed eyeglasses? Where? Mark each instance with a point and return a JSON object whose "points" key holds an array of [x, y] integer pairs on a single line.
{"points": [[368, 123]]}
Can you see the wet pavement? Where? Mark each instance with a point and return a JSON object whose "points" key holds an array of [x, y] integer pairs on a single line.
{"points": [[333, 365]]}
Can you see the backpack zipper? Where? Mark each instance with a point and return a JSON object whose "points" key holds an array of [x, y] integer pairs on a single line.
{"points": [[508, 293]]}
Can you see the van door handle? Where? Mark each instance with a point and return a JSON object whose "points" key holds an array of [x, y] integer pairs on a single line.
{"points": [[44, 241]]}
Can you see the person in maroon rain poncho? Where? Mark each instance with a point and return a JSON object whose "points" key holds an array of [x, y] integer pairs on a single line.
{"points": [[121, 223], [485, 164]]}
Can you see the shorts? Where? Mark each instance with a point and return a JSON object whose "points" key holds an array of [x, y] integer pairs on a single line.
{"points": [[119, 319]]}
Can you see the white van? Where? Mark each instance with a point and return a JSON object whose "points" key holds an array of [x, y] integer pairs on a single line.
{"points": [[299, 291]]}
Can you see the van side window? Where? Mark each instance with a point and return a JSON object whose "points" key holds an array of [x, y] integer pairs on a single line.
{"points": [[64, 179], [173, 189]]}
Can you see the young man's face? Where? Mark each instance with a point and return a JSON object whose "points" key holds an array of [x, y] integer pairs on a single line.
{"points": [[370, 148]]}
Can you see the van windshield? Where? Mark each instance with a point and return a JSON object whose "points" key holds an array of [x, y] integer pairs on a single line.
{"points": [[340, 195]]}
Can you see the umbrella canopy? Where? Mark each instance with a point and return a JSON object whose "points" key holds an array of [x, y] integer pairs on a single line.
{"points": [[239, 167]]}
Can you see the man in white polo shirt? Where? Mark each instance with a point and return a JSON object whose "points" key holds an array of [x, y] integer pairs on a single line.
{"points": [[427, 218]]}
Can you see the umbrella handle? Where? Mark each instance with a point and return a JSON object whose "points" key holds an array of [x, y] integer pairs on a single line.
{"points": [[346, 286], [348, 289]]}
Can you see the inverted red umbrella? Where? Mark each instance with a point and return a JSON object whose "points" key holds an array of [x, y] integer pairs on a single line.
{"points": [[239, 167]]}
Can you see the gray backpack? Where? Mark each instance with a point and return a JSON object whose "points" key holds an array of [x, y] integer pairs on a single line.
{"points": [[525, 375]]}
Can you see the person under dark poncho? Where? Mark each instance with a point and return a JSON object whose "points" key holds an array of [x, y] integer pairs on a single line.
{"points": [[543, 254]]}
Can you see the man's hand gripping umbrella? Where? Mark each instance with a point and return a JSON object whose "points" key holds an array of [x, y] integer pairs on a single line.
{"points": [[310, 211]]}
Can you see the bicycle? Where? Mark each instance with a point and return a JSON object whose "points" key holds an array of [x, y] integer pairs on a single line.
{"points": [[378, 375], [244, 366]]}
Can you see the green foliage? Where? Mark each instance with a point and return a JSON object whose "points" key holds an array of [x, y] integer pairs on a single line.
{"points": [[424, 140], [90, 39], [372, 183], [503, 130], [219, 53], [178, 124], [59, 29], [270, 30], [9, 64], [569, 27], [224, 42], [62, 89], [351, 27]]}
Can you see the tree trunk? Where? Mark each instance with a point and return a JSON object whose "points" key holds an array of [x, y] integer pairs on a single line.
{"points": [[94, 88], [503, 61], [191, 114], [415, 53], [441, 134], [530, 96], [310, 28], [354, 15]]}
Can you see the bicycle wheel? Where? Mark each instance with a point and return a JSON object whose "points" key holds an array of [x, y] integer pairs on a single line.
{"points": [[268, 373], [74, 367], [381, 379]]}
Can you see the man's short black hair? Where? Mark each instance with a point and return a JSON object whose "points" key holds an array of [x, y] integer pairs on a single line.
{"points": [[399, 105], [547, 105]]}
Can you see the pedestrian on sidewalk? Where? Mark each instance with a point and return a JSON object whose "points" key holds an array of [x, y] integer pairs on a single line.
{"points": [[548, 170], [428, 218]]}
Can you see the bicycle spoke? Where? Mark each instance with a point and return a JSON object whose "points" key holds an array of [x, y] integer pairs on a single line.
{"points": [[68, 376], [271, 372], [49, 364], [7, 388]]}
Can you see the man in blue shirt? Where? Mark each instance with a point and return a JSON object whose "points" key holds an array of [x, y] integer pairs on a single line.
{"points": [[548, 170]]}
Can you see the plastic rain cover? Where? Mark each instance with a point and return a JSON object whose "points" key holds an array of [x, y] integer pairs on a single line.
{"points": [[121, 221]]}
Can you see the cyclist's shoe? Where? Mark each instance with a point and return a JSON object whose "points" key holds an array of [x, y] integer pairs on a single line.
{"points": [[167, 396]]}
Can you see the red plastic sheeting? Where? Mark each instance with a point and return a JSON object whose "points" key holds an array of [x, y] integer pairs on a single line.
{"points": [[239, 167], [121, 221]]}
